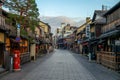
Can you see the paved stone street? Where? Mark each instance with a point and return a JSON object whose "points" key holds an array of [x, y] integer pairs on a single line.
{"points": [[62, 65]]}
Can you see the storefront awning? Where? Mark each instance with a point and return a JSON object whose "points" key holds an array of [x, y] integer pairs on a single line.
{"points": [[111, 33]]}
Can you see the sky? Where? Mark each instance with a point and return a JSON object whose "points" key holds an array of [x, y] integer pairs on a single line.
{"points": [[72, 8]]}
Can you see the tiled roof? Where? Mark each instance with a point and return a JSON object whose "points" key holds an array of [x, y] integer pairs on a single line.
{"points": [[113, 9], [99, 13]]}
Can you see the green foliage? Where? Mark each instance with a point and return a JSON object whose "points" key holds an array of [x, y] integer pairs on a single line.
{"points": [[31, 40], [23, 32], [24, 12]]}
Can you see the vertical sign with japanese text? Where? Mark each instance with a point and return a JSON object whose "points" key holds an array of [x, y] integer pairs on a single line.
{"points": [[88, 31]]}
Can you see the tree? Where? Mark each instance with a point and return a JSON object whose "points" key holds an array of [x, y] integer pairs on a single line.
{"points": [[26, 10]]}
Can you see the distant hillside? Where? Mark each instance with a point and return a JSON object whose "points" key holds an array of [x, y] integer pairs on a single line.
{"points": [[55, 22]]}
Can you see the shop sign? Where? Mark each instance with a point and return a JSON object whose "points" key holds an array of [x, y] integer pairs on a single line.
{"points": [[18, 39], [88, 31]]}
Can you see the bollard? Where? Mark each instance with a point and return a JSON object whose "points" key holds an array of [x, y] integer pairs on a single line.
{"points": [[89, 56]]}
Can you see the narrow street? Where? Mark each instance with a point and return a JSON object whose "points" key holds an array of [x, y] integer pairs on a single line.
{"points": [[62, 65]]}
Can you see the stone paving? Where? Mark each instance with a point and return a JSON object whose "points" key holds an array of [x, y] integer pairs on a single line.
{"points": [[98, 71], [60, 65]]}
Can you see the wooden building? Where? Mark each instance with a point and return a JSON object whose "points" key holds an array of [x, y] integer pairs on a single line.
{"points": [[109, 55], [95, 31], [82, 38]]}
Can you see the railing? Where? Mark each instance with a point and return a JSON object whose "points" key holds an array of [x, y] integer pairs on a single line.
{"points": [[25, 57], [7, 27], [111, 26], [109, 59]]}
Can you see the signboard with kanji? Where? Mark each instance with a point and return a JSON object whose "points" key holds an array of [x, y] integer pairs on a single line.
{"points": [[88, 31]]}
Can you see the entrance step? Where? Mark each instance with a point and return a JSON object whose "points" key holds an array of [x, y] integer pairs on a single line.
{"points": [[2, 71]]}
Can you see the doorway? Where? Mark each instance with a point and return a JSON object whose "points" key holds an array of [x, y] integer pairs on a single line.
{"points": [[1, 54]]}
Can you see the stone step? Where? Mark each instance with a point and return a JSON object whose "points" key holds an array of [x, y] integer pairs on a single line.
{"points": [[3, 72]]}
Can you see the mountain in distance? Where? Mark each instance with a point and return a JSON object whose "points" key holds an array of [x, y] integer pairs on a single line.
{"points": [[55, 22]]}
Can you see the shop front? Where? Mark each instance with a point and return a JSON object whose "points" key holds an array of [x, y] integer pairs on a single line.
{"points": [[109, 53], [85, 48], [24, 51]]}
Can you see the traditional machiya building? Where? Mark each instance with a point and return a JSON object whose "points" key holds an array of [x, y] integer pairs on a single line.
{"points": [[47, 35], [68, 29], [68, 35], [29, 44], [73, 39], [2, 39], [95, 31], [34, 42], [82, 37], [7, 31], [12, 44], [58, 37], [4, 55], [24, 49], [37, 37], [36, 47], [109, 53], [64, 36]]}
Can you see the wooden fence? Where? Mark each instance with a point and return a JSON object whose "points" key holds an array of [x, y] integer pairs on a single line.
{"points": [[25, 57], [109, 59]]}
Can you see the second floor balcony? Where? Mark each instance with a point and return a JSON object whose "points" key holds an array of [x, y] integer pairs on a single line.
{"points": [[111, 29], [111, 26]]}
